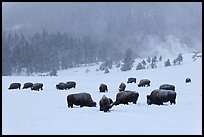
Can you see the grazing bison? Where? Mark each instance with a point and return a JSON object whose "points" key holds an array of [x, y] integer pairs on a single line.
{"points": [[71, 84], [61, 86], [15, 86], [105, 103], [27, 85], [158, 96], [167, 87], [144, 82], [131, 80], [188, 80], [103, 88], [81, 99], [37, 86], [124, 97], [122, 87]]}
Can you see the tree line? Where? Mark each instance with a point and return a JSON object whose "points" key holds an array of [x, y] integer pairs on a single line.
{"points": [[44, 52]]}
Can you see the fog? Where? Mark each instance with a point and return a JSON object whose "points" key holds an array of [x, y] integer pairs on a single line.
{"points": [[148, 27]]}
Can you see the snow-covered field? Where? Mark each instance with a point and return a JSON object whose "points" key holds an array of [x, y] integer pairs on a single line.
{"points": [[46, 112]]}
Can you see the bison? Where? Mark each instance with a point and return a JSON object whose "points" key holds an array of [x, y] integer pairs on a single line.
{"points": [[144, 82], [27, 85], [15, 86], [81, 99], [124, 97], [122, 87], [188, 80], [103, 88], [105, 103], [61, 86], [71, 84], [131, 80], [159, 96], [167, 87], [37, 86]]}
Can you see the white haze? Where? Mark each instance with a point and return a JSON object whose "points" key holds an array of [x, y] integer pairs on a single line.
{"points": [[138, 25]]}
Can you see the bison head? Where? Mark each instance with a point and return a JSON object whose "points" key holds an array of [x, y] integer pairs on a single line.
{"points": [[93, 104]]}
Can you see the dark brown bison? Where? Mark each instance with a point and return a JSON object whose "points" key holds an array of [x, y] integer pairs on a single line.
{"points": [[81, 99], [105, 103], [71, 84], [124, 97], [188, 80], [131, 80], [37, 86], [27, 85], [167, 87], [122, 87], [144, 82], [103, 88], [61, 86], [159, 96], [15, 86]]}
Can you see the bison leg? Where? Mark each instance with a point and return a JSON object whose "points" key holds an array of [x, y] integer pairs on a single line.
{"points": [[101, 109]]}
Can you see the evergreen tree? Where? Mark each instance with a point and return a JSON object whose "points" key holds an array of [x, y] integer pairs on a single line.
{"points": [[143, 62], [167, 63], [148, 59], [180, 59], [175, 61], [139, 66], [160, 58], [128, 60]]}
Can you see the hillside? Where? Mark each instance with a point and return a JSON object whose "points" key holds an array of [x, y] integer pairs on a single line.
{"points": [[46, 112]]}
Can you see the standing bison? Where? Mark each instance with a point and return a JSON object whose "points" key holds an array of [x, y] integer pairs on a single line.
{"points": [[103, 88], [122, 87], [131, 80], [105, 103], [144, 82], [81, 99], [159, 96], [167, 87], [61, 86], [15, 86], [71, 84], [124, 97], [37, 86], [188, 80], [27, 85]]}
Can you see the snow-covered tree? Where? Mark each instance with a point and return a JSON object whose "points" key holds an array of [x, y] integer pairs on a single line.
{"points": [[167, 63]]}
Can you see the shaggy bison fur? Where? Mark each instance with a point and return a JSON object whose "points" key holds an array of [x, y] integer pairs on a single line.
{"points": [[122, 87], [37, 86], [188, 80], [131, 80], [105, 103], [71, 84], [27, 85], [144, 82], [61, 86], [103, 88], [159, 96], [167, 87], [81, 99], [124, 97], [15, 86]]}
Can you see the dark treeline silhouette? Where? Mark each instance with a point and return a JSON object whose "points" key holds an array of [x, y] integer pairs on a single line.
{"points": [[44, 51]]}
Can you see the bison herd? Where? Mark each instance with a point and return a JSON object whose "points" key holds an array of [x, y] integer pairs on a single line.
{"points": [[165, 93]]}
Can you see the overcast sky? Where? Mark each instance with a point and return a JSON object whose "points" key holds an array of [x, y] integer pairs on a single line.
{"points": [[120, 23]]}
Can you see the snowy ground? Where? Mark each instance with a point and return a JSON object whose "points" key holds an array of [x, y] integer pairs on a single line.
{"points": [[46, 112]]}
